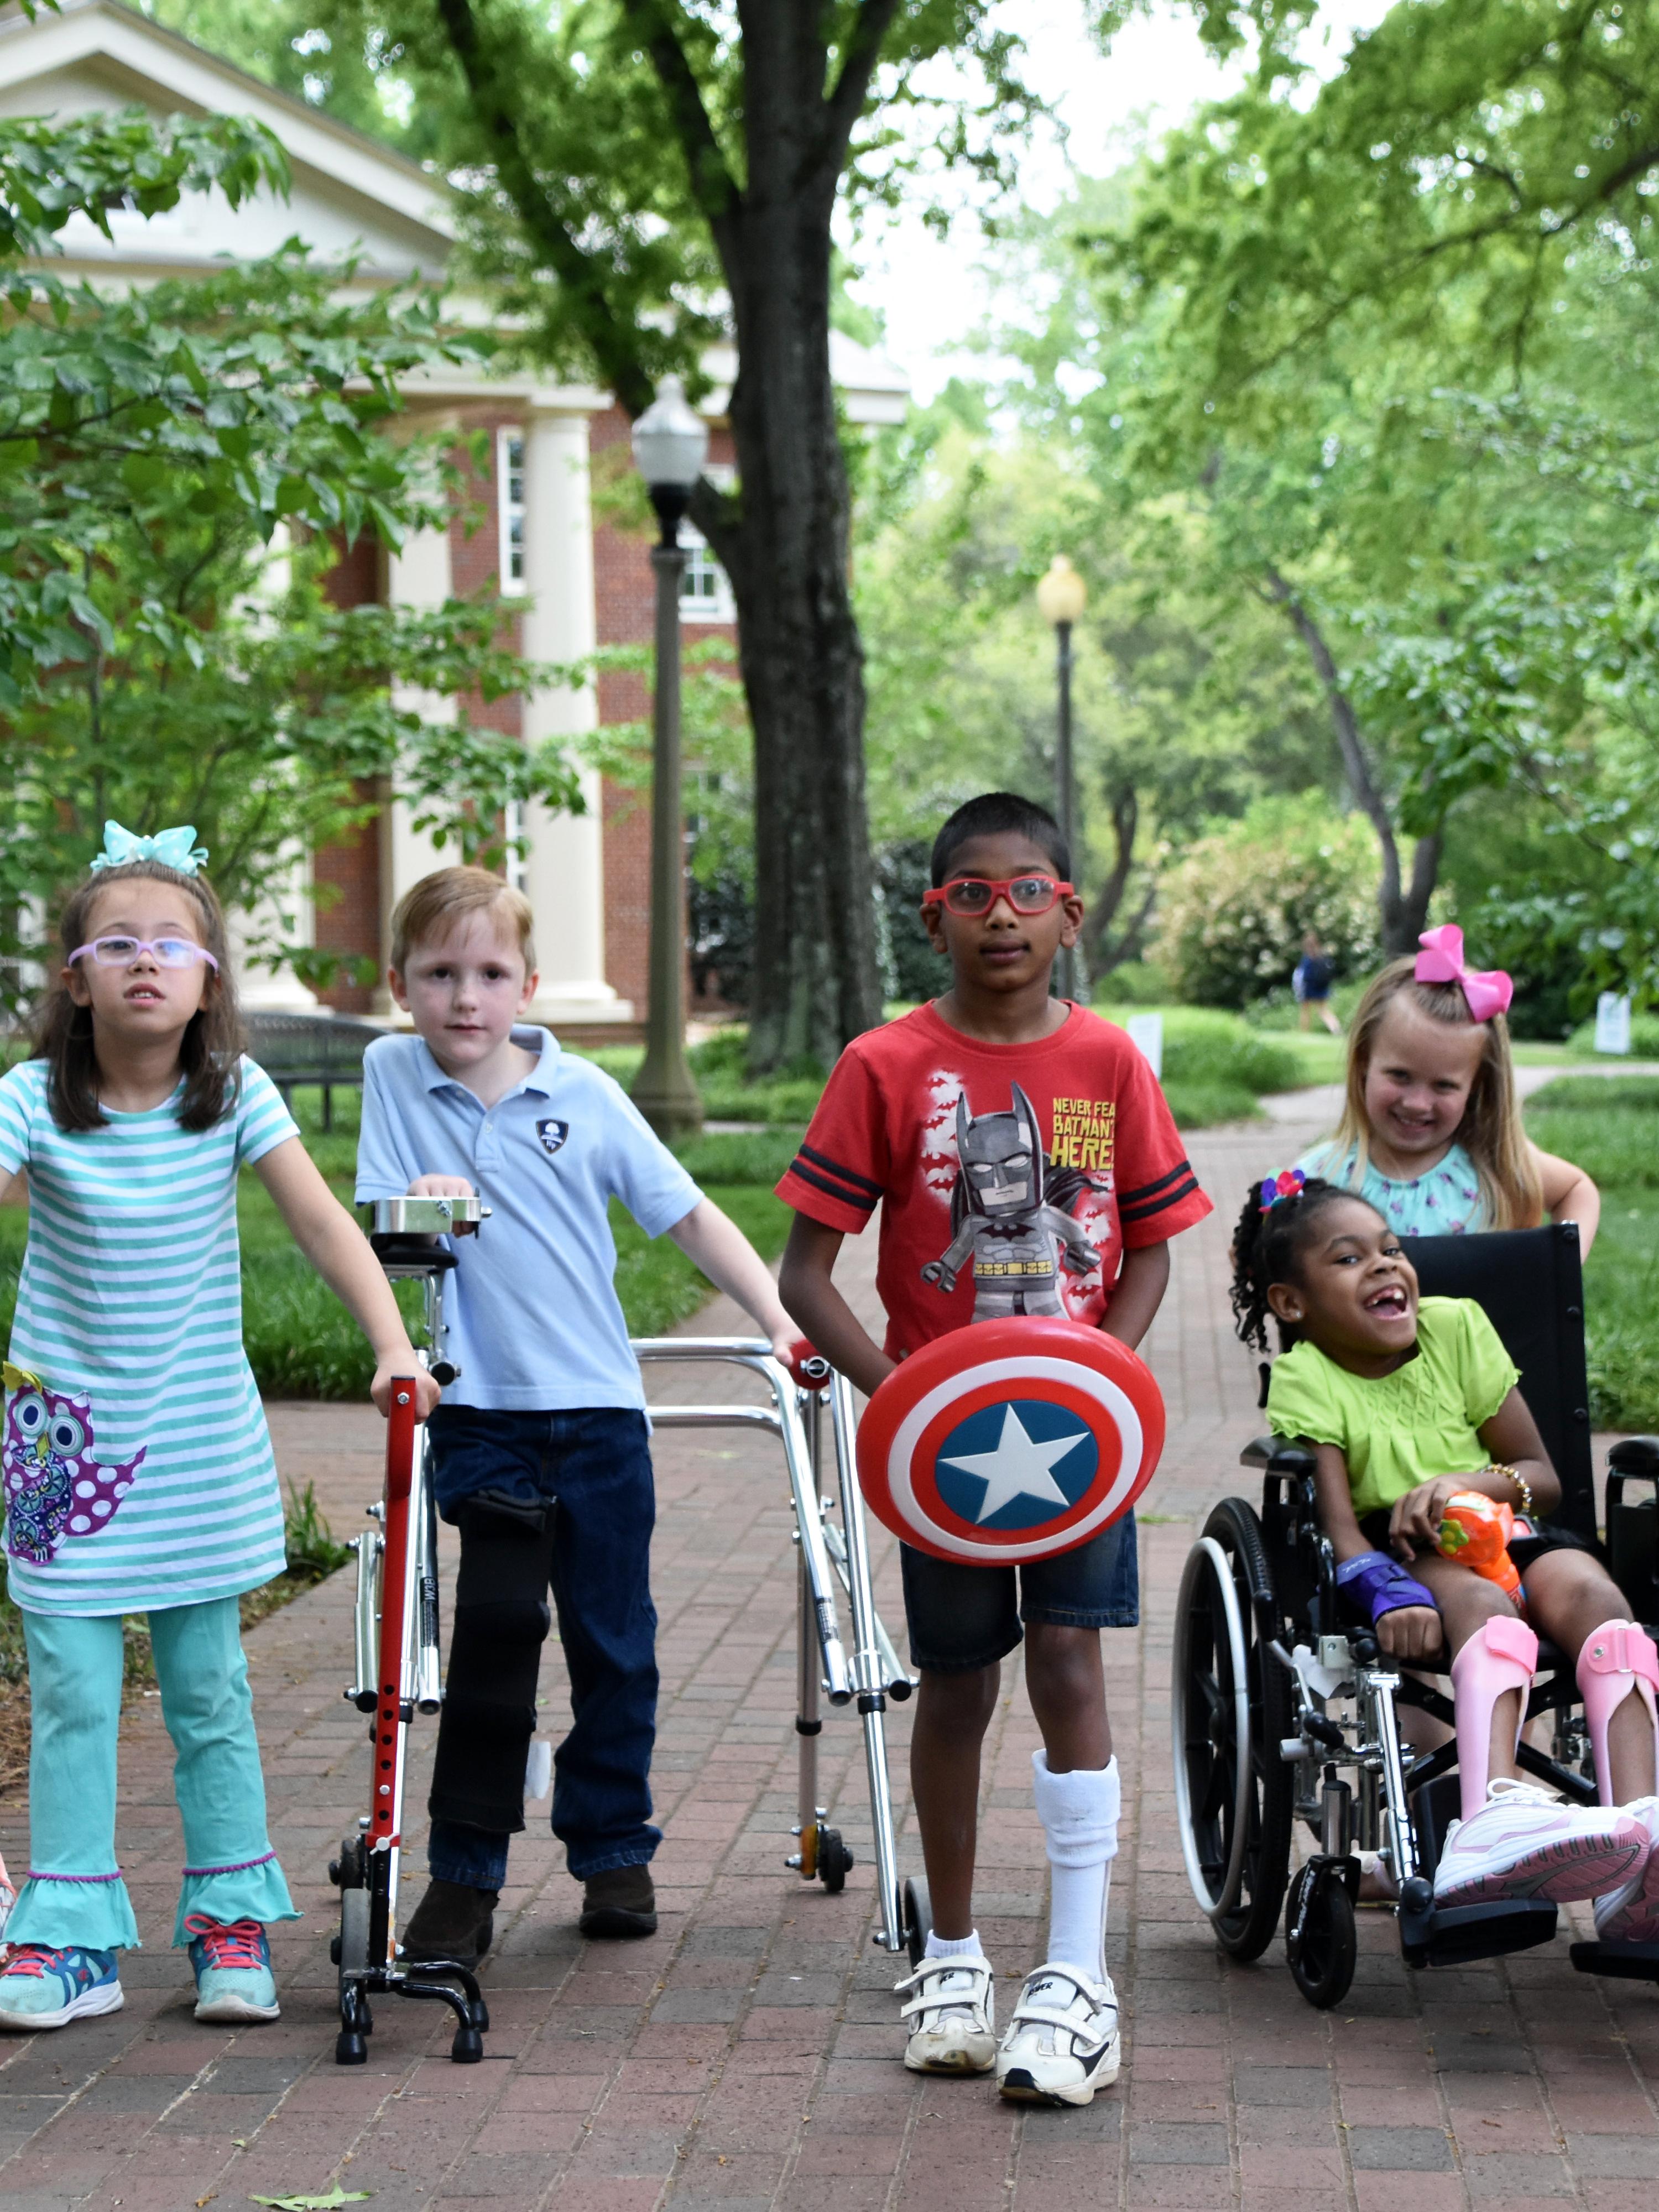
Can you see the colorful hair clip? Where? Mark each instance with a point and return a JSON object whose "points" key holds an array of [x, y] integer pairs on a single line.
{"points": [[1288, 1183], [1488, 991], [174, 848]]}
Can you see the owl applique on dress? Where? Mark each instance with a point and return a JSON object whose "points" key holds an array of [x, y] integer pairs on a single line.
{"points": [[54, 1487]]}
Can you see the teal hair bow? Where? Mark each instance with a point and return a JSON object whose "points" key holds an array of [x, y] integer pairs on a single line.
{"points": [[174, 848]]}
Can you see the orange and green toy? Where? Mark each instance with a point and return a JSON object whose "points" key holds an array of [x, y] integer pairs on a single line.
{"points": [[1476, 1531]]}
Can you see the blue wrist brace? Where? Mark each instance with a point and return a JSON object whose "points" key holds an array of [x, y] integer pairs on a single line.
{"points": [[1374, 1580]]}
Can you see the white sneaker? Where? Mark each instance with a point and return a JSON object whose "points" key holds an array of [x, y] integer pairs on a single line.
{"points": [[1525, 1843], [951, 2016], [1631, 1914], [1062, 2043]]}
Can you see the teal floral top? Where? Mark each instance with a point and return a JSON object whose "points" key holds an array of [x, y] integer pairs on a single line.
{"points": [[1444, 1202]]}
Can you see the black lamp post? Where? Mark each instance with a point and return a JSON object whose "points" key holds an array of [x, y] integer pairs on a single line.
{"points": [[1063, 596], [670, 445]]}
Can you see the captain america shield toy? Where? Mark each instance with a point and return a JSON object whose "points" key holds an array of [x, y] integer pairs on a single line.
{"points": [[1011, 1440]]}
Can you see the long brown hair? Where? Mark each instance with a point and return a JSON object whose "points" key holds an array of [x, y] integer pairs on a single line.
{"points": [[210, 1050], [1490, 1131]]}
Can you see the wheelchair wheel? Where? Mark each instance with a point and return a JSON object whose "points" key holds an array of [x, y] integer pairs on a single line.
{"points": [[1230, 1707], [918, 1919], [1319, 1936]]}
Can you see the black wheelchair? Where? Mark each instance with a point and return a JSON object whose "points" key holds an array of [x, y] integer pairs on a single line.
{"points": [[1284, 1710]]}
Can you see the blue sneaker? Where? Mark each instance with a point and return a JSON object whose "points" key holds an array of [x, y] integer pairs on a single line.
{"points": [[43, 1988], [234, 1981]]}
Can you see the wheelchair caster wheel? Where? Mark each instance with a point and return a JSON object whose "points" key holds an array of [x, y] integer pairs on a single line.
{"points": [[834, 1860], [918, 1919], [467, 2049], [1319, 1936]]}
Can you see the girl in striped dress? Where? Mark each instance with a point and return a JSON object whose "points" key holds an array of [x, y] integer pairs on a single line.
{"points": [[136, 1465]]}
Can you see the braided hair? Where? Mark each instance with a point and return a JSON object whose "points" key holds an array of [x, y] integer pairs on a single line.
{"points": [[1267, 1245]]}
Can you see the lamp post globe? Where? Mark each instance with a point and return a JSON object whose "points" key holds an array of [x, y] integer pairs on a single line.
{"points": [[1062, 597], [670, 443]]}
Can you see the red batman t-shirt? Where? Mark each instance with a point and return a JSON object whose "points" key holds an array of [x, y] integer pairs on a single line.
{"points": [[886, 1133]]}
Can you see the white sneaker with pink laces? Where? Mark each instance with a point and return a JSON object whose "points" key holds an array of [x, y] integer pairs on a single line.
{"points": [[1631, 1914], [1525, 1843]]}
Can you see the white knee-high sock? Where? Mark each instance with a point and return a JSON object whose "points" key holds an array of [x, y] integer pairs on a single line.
{"points": [[1080, 1813]]}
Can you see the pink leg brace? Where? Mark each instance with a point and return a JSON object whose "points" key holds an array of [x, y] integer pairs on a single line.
{"points": [[1501, 1655], [1618, 1657]]}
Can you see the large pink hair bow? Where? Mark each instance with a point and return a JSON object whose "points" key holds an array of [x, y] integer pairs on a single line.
{"points": [[1440, 961]]}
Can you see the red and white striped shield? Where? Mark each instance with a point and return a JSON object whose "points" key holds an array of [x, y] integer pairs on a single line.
{"points": [[1012, 1440]]}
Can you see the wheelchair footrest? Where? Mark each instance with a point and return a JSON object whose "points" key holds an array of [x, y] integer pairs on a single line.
{"points": [[1628, 1962], [1450, 1936]]}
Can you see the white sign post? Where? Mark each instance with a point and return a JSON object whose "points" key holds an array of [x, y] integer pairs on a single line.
{"points": [[1613, 1023], [1146, 1032]]}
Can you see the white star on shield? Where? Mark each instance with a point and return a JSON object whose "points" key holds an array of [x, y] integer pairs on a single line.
{"points": [[1019, 1467]]}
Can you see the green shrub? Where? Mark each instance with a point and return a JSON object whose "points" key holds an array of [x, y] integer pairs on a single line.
{"points": [[1644, 1040], [1609, 1125], [1233, 910], [731, 1158]]}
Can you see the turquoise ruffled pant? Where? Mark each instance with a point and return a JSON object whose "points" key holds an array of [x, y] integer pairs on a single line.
{"points": [[74, 1893]]}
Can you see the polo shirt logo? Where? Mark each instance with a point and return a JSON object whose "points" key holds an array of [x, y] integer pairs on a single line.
{"points": [[552, 1134]]}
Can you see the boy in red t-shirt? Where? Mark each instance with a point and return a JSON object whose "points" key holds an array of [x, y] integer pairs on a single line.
{"points": [[938, 1118]]}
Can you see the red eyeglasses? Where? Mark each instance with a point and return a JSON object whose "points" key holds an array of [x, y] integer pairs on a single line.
{"points": [[975, 896]]}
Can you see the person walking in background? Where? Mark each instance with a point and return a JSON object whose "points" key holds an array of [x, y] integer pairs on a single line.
{"points": [[1311, 981]]}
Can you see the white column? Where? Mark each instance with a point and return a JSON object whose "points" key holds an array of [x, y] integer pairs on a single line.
{"points": [[564, 869], [287, 914], [419, 576]]}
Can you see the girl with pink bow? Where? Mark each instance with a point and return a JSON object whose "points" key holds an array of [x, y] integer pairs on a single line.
{"points": [[1431, 1132]]}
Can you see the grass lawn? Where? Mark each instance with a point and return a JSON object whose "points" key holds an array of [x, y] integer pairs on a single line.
{"points": [[1609, 1125]]}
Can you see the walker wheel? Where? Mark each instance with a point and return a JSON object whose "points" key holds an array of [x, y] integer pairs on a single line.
{"points": [[918, 1917], [1319, 1935], [834, 1860]]}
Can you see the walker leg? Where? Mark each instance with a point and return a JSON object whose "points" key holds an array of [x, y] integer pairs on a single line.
{"points": [[808, 1729], [870, 1668]]}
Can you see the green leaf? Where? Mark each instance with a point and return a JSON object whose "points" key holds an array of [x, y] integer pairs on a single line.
{"points": [[335, 2195]]}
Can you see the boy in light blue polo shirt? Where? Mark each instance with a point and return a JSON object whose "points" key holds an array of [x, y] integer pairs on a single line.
{"points": [[540, 1453]]}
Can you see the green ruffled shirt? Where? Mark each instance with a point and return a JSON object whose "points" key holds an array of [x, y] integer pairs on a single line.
{"points": [[1396, 1431]]}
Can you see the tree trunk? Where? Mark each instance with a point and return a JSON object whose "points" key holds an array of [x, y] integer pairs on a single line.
{"points": [[784, 542], [1403, 908], [815, 980]]}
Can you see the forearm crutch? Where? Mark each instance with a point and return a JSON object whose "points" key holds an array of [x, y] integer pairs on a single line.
{"points": [[828, 1554], [396, 1640]]}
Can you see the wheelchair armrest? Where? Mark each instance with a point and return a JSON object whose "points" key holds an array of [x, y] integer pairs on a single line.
{"points": [[1278, 1455], [1635, 1456]]}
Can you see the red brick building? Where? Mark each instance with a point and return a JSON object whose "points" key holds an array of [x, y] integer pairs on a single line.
{"points": [[578, 583]]}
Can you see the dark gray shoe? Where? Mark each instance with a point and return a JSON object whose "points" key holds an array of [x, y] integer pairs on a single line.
{"points": [[619, 1904], [452, 1921]]}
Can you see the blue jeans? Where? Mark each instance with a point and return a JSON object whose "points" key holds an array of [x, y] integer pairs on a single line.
{"points": [[593, 1466]]}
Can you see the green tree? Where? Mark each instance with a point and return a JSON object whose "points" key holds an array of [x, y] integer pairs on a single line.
{"points": [[642, 175], [180, 464]]}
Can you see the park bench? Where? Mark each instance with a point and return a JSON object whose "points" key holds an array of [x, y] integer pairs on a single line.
{"points": [[322, 1049]]}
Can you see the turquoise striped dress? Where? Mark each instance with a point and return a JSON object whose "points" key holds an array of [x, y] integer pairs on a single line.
{"points": [[137, 1464]]}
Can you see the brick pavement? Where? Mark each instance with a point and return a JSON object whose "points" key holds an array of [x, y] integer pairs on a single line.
{"points": [[746, 2058]]}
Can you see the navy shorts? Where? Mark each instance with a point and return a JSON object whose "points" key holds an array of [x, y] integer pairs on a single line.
{"points": [[961, 1617]]}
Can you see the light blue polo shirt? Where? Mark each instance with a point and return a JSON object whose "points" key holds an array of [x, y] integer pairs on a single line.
{"points": [[534, 1319]]}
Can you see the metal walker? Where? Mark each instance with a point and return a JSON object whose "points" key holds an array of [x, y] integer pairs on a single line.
{"points": [[829, 1553], [398, 1670], [398, 1661]]}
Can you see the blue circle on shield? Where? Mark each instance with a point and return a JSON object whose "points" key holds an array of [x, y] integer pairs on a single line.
{"points": [[1017, 1464]]}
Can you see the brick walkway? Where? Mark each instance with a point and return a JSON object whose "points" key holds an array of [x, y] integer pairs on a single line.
{"points": [[747, 2057]]}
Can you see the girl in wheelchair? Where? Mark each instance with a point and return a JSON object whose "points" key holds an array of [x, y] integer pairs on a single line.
{"points": [[1409, 1401]]}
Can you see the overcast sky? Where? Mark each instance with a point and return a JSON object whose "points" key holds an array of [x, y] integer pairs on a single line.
{"points": [[929, 291]]}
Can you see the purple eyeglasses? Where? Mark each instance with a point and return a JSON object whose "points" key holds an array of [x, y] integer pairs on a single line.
{"points": [[166, 951]]}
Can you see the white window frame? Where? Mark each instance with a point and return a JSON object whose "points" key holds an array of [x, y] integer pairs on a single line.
{"points": [[716, 605], [509, 510]]}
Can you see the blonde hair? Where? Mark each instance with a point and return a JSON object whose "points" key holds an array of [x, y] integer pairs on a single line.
{"points": [[1489, 1132], [432, 907]]}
